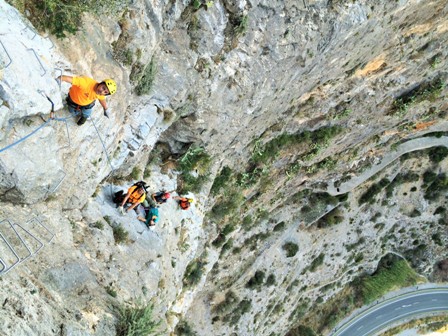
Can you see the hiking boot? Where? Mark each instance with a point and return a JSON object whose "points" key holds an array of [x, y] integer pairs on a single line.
{"points": [[81, 120]]}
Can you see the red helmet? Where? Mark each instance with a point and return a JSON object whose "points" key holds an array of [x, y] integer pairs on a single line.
{"points": [[167, 195]]}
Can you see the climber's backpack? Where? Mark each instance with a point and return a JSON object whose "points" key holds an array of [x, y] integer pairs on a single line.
{"points": [[119, 197], [140, 184]]}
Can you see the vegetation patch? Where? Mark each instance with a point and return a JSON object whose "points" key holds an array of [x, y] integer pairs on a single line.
{"points": [[194, 160], [98, 224], [319, 260], [424, 326], [440, 273], [426, 91], [279, 227], [193, 272], [256, 281], [437, 154], [120, 234], [227, 205], [184, 329], [65, 17], [436, 186], [334, 217], [221, 180], [317, 140], [392, 273], [143, 76], [136, 320], [270, 281], [242, 308], [369, 195], [401, 178], [231, 299], [291, 249]]}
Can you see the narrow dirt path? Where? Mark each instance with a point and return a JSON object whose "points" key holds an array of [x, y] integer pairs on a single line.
{"points": [[406, 147]]}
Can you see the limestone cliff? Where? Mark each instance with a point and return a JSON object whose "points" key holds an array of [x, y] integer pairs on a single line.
{"points": [[312, 135]]}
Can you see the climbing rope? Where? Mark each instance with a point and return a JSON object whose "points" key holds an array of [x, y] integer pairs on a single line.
{"points": [[38, 128], [25, 137], [104, 147]]}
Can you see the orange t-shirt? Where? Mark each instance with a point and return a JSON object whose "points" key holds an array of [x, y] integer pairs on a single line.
{"points": [[82, 91]]}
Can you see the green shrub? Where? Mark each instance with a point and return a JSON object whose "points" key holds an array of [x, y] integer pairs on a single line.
{"points": [[184, 329], [136, 173], [291, 249], [221, 180], [317, 262], [247, 222], [392, 272], [120, 234], [111, 291], [197, 159], [299, 311], [227, 246], [234, 316], [306, 209], [219, 240], [228, 228], [361, 241], [193, 273], [256, 281], [437, 154], [227, 205], [301, 330], [249, 177], [438, 187], [270, 281], [358, 257], [439, 210], [280, 227], [426, 91], [98, 224], [415, 213], [65, 16], [437, 238], [229, 302], [318, 139], [144, 77], [400, 179], [429, 177], [369, 195], [332, 218], [240, 26], [136, 321]]}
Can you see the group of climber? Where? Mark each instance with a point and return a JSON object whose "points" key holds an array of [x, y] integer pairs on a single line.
{"points": [[84, 92], [135, 199], [80, 100]]}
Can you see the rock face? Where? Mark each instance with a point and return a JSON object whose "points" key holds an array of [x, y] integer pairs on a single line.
{"points": [[301, 102]]}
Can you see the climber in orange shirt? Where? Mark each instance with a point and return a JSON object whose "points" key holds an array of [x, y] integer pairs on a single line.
{"points": [[83, 94]]}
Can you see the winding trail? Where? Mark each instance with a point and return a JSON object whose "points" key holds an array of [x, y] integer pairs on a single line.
{"points": [[406, 147]]}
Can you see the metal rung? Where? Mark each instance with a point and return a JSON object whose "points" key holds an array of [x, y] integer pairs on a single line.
{"points": [[6, 51], [38, 59], [58, 185], [7, 268], [34, 237], [4, 265], [40, 223]]}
